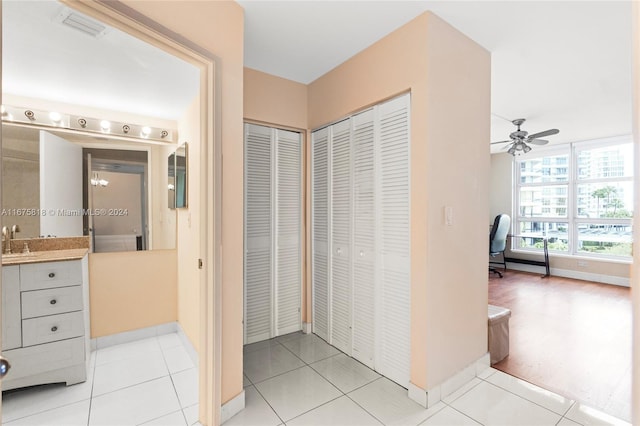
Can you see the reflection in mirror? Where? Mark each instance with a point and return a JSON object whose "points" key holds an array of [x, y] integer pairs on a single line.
{"points": [[138, 165], [181, 176], [171, 178]]}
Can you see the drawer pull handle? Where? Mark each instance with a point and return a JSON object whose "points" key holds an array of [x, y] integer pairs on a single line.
{"points": [[54, 328], [52, 274], [53, 301]]}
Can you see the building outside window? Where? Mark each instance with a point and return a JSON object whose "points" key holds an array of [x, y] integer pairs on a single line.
{"points": [[580, 196]]}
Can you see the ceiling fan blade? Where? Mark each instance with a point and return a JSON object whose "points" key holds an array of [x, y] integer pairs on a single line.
{"points": [[545, 133], [494, 143], [538, 142], [504, 148]]}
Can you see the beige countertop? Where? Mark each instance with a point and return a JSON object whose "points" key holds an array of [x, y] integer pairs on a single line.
{"points": [[43, 256]]}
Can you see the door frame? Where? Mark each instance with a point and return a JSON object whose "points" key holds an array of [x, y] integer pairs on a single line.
{"points": [[134, 23]]}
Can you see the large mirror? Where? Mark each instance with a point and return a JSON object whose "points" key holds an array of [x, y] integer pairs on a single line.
{"points": [[178, 178], [60, 184]]}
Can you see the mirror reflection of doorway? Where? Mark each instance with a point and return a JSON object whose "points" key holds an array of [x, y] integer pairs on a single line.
{"points": [[115, 195]]}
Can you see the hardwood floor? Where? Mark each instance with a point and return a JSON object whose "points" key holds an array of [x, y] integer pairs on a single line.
{"points": [[569, 336]]}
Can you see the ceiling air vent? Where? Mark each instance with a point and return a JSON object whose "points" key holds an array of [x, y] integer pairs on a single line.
{"points": [[82, 23]]}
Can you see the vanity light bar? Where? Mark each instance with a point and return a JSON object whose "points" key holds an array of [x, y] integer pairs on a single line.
{"points": [[55, 119]]}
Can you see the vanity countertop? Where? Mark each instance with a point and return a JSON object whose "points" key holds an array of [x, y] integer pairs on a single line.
{"points": [[43, 256]]}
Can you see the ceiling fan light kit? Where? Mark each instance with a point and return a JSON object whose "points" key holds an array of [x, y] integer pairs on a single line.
{"points": [[520, 139]]}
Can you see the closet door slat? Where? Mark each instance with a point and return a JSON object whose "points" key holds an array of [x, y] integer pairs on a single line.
{"points": [[288, 186], [258, 233], [341, 217], [320, 231], [364, 230], [394, 290]]}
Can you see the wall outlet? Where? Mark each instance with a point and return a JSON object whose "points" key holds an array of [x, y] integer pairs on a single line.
{"points": [[583, 263]]}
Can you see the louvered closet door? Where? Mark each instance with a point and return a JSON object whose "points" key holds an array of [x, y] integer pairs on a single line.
{"points": [[341, 194], [394, 291], [288, 277], [320, 231], [364, 229], [258, 234]]}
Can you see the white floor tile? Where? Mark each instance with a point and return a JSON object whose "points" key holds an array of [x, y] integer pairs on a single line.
{"points": [[256, 412], [191, 414], [296, 392], [186, 384], [177, 359], [29, 401], [449, 417], [464, 389], [170, 340], [567, 422], [127, 372], [310, 348], [345, 372], [76, 414], [589, 416], [245, 381], [269, 362], [290, 336], [174, 419], [389, 403], [127, 351], [489, 404], [549, 400], [135, 405], [339, 412], [487, 373], [252, 347]]}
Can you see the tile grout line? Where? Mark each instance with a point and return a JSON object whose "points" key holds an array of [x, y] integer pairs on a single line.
{"points": [[93, 382], [267, 402], [172, 383]]}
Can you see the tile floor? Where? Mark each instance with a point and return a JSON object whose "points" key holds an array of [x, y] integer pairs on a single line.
{"points": [[151, 382], [299, 380], [295, 380]]}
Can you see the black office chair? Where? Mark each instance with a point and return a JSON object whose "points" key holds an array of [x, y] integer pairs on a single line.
{"points": [[498, 241]]}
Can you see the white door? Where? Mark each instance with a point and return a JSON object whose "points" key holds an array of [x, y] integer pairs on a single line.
{"points": [[341, 198], [288, 216], [258, 258], [60, 186], [364, 231], [393, 205], [320, 231]]}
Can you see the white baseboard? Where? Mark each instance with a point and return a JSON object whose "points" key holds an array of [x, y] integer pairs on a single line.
{"points": [[568, 273], [232, 407], [133, 335], [306, 327], [188, 346], [428, 398]]}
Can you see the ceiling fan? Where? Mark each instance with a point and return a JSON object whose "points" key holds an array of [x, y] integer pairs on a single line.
{"points": [[520, 139]]}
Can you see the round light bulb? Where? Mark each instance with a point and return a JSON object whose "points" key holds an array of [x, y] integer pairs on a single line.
{"points": [[105, 125], [146, 131], [55, 116]]}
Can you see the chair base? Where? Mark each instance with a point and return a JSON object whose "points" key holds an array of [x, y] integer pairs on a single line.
{"points": [[495, 271]]}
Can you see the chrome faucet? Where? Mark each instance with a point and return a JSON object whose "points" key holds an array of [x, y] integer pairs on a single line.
{"points": [[6, 240], [7, 236]]}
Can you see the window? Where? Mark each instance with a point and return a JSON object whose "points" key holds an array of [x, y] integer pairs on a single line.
{"points": [[580, 196]]}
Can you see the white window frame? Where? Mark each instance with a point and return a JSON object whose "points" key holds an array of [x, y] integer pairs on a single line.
{"points": [[572, 150]]}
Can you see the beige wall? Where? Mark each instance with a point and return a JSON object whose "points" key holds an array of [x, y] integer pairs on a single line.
{"points": [[501, 201], [139, 292], [449, 79], [274, 100], [189, 233], [218, 26]]}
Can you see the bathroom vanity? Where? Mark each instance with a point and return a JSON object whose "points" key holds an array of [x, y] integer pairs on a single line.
{"points": [[45, 317]]}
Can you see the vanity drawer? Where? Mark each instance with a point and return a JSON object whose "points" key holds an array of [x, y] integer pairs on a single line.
{"points": [[42, 358], [53, 301], [36, 331], [36, 276]]}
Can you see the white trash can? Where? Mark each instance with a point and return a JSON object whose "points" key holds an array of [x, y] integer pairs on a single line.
{"points": [[498, 333]]}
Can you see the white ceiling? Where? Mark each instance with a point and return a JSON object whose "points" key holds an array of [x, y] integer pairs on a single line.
{"points": [[564, 65], [44, 59]]}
